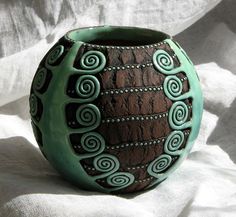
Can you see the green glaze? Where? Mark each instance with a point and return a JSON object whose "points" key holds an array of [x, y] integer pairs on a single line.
{"points": [[173, 143], [93, 143], [106, 163], [109, 164], [55, 54], [89, 117], [120, 180], [33, 104], [53, 123], [55, 130], [40, 78], [159, 164], [87, 88], [92, 62], [173, 87], [178, 113]]}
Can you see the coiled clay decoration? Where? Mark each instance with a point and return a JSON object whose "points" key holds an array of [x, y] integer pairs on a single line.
{"points": [[116, 109]]}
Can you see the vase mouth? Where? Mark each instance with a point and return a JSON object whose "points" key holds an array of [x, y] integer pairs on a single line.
{"points": [[117, 36]]}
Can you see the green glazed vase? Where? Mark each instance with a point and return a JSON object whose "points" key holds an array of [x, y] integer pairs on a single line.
{"points": [[116, 109]]}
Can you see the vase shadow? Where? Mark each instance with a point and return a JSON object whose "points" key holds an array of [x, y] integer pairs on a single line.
{"points": [[24, 171], [224, 132], [19, 107]]}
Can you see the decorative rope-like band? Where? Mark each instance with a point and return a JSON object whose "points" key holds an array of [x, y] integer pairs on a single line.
{"points": [[135, 118], [131, 90], [156, 141], [123, 47], [148, 117], [135, 89], [124, 67]]}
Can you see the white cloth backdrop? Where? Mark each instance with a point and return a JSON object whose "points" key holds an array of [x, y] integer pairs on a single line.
{"points": [[203, 186]]}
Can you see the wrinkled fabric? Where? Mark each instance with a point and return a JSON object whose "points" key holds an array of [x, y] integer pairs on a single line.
{"points": [[205, 183], [29, 28]]}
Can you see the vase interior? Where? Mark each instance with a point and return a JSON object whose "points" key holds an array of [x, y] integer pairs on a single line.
{"points": [[117, 36]]}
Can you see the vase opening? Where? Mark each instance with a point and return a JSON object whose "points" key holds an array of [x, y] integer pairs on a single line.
{"points": [[117, 36]]}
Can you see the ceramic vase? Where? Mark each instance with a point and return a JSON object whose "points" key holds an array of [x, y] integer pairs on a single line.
{"points": [[116, 109]]}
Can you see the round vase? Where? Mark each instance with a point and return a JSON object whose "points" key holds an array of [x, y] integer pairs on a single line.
{"points": [[116, 109]]}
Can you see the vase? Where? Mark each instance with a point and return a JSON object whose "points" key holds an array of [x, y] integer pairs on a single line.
{"points": [[116, 109]]}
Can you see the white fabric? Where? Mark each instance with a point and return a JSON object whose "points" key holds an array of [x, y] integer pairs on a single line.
{"points": [[203, 186], [27, 31]]}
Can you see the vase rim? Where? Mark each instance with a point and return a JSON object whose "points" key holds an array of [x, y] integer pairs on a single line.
{"points": [[117, 36]]}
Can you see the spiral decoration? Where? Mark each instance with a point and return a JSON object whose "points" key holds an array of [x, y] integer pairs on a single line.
{"points": [[33, 101], [106, 163], [88, 115], [55, 54], [92, 62], [40, 78], [178, 115], [173, 143], [120, 179], [163, 61], [92, 142], [173, 87], [160, 164], [87, 88], [179, 112]]}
